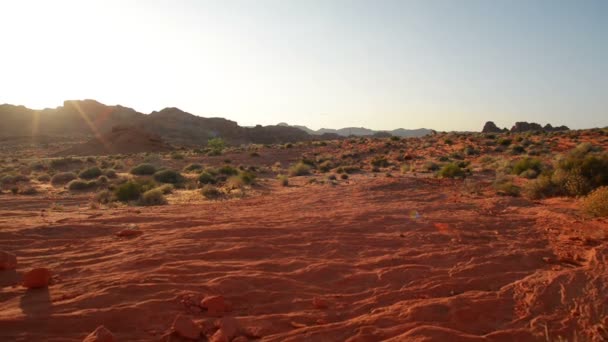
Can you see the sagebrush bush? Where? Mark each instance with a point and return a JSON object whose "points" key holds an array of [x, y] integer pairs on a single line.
{"points": [[504, 186], [206, 178], [80, 185], [524, 164], [62, 178], [596, 203], [299, 169], [451, 170], [210, 191], [227, 170], [132, 190], [168, 176], [541, 187], [110, 173], [153, 197], [90, 173], [193, 168], [143, 169]]}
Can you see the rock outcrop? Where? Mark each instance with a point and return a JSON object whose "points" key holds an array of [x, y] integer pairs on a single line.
{"points": [[490, 127]]}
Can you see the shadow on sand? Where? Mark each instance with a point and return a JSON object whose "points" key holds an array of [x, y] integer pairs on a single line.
{"points": [[36, 303]]}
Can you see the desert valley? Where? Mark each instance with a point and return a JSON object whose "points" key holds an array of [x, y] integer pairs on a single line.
{"points": [[124, 234]]}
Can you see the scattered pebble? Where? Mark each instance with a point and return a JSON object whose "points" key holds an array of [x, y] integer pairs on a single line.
{"points": [[101, 334], [37, 278]]}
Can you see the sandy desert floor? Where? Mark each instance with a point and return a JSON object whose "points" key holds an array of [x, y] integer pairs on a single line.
{"points": [[373, 258]]}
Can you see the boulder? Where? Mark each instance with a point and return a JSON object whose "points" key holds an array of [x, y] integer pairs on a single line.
{"points": [[186, 328], [490, 127], [215, 305], [37, 278]]}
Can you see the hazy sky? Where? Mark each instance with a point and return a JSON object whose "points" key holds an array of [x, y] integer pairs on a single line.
{"points": [[447, 65]]}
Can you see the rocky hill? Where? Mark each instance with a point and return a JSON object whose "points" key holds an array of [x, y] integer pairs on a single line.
{"points": [[89, 118], [522, 126]]}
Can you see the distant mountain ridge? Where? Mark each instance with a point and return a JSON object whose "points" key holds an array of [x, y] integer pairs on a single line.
{"points": [[87, 118], [362, 131]]}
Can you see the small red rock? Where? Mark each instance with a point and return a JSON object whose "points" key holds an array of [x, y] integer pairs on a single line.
{"points": [[8, 261], [129, 232], [185, 327], [228, 329], [37, 278], [101, 334], [215, 305]]}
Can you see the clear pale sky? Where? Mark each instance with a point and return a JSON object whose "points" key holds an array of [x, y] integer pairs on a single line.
{"points": [[447, 65]]}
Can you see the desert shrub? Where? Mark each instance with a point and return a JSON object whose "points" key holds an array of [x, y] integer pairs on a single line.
{"points": [[43, 178], [325, 166], [525, 164], [504, 186], [38, 166], [451, 170], [206, 178], [344, 176], [166, 188], [104, 197], [448, 142], [283, 180], [12, 179], [90, 173], [596, 203], [541, 187], [177, 156], [132, 190], [168, 176], [504, 142], [143, 169], [299, 169], [517, 149], [227, 170], [80, 185], [470, 151], [405, 168], [247, 177], [153, 197], [210, 192], [193, 168], [430, 166], [380, 162], [63, 162], [62, 178], [216, 145], [110, 173]]}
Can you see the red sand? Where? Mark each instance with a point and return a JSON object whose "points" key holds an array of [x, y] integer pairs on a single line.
{"points": [[377, 259]]}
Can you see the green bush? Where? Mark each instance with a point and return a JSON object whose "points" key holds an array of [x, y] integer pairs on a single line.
{"points": [[143, 169], [132, 190], [168, 176], [596, 203], [153, 197], [380, 162], [525, 164], [62, 178], [90, 173], [299, 169], [206, 178], [193, 168], [210, 192], [216, 145], [451, 170], [80, 185], [504, 186], [43, 178], [247, 177], [228, 170], [430, 166], [166, 188], [110, 173]]}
